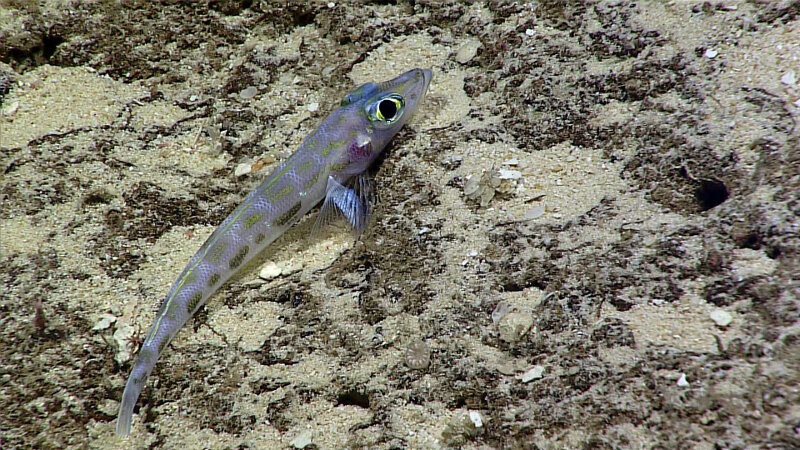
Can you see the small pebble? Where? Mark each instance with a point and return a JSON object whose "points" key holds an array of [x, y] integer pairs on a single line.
{"points": [[243, 169], [514, 326], [499, 312], [711, 53], [302, 440], [534, 373], [467, 52], [269, 271], [331, 5], [682, 381], [105, 321], [291, 267], [313, 106], [529, 32], [248, 92], [721, 317], [535, 212]]}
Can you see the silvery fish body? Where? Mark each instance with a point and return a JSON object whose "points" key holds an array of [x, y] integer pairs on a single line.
{"points": [[329, 166]]}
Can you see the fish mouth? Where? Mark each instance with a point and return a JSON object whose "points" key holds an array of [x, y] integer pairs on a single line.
{"points": [[427, 76]]}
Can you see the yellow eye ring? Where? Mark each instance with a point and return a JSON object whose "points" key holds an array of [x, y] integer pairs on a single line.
{"points": [[387, 109]]}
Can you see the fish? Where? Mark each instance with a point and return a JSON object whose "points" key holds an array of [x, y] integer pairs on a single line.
{"points": [[329, 167]]}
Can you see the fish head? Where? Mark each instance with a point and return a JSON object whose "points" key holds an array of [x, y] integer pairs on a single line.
{"points": [[381, 110]]}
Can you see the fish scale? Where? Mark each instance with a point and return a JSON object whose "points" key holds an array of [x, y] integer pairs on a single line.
{"points": [[336, 154]]}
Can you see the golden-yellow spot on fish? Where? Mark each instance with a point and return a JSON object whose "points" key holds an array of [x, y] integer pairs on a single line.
{"points": [[311, 182], [190, 277], [193, 302], [336, 167], [331, 145], [260, 238], [252, 220], [276, 197], [236, 261], [217, 251], [304, 166], [213, 280], [287, 216]]}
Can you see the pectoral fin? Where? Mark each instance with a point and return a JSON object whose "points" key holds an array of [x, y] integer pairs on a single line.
{"points": [[352, 202]]}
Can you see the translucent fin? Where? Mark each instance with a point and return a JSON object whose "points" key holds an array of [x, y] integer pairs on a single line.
{"points": [[351, 202]]}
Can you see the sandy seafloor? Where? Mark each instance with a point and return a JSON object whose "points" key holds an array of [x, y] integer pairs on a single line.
{"points": [[587, 238]]}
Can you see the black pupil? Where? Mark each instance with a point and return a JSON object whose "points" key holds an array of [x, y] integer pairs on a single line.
{"points": [[388, 109]]}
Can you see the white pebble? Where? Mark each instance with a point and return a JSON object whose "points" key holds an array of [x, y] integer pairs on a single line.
{"points": [[511, 162], [475, 417], [529, 31], [534, 373], [331, 5], [682, 381], [243, 169], [789, 78], [721, 317], [11, 109], [313, 106], [711, 53], [248, 92], [269, 271]]}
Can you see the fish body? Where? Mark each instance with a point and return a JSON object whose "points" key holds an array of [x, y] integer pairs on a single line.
{"points": [[328, 166]]}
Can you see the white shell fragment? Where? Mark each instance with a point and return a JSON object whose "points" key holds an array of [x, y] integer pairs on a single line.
{"points": [[269, 271], [506, 174], [534, 213], [417, 355], [475, 417], [721, 317], [789, 78], [302, 440], [534, 373], [682, 381]]}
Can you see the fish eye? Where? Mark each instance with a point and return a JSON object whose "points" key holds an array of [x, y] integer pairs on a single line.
{"points": [[387, 109]]}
